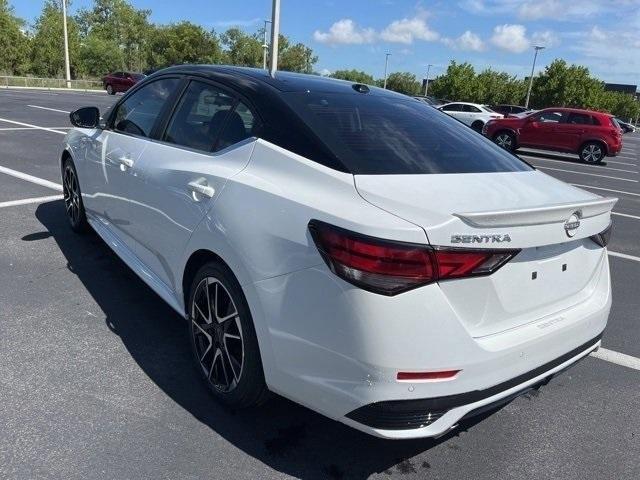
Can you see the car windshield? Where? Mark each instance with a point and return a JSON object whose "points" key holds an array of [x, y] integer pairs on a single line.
{"points": [[388, 134], [137, 76]]}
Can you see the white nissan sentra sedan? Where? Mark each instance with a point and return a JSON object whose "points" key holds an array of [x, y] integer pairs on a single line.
{"points": [[346, 247]]}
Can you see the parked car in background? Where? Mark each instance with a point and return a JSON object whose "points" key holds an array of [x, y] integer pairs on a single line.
{"points": [[429, 100], [347, 247], [471, 114], [509, 110], [591, 135], [120, 81], [625, 126]]}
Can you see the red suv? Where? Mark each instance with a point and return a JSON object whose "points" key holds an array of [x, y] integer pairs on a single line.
{"points": [[592, 135], [120, 81]]}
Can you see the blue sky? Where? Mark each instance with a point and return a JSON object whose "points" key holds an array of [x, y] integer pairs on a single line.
{"points": [[603, 35]]}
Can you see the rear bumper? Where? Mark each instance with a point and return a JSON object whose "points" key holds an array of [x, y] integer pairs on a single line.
{"points": [[337, 349], [435, 416]]}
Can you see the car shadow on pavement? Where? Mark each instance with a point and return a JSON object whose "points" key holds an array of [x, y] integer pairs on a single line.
{"points": [[564, 158], [285, 436]]}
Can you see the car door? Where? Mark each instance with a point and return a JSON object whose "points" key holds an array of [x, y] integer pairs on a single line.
{"points": [[573, 130], [455, 110], [540, 130], [183, 172], [117, 150]]}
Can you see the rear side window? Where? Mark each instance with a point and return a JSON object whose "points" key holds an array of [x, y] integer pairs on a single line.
{"points": [[384, 134], [138, 113], [580, 119], [471, 108], [240, 125], [199, 117]]}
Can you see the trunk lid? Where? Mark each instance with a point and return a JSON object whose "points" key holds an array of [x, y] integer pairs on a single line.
{"points": [[549, 220]]}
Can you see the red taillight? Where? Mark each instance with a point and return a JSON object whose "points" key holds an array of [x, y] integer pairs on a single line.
{"points": [[427, 376], [389, 267]]}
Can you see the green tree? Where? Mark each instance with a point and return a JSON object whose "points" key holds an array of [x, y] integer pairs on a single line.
{"points": [[492, 87], [47, 45], [457, 83], [357, 76], [295, 57], [242, 49], [14, 42], [118, 23], [563, 85], [182, 42], [99, 56], [402, 82]]}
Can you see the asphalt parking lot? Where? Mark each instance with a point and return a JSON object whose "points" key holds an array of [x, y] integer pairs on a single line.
{"points": [[97, 381]]}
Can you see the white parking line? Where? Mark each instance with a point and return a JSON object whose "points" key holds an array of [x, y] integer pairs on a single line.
{"points": [[31, 178], [606, 189], [32, 126], [47, 108], [13, 129], [590, 174], [617, 358], [624, 255], [620, 163], [625, 215], [576, 164], [26, 201]]}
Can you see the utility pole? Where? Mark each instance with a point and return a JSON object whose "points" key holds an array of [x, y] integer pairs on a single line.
{"points": [[67, 69], [275, 32], [265, 46], [386, 64], [535, 56], [426, 84]]}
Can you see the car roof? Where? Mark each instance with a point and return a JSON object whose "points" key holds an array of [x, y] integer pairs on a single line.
{"points": [[282, 81], [579, 110], [466, 103]]}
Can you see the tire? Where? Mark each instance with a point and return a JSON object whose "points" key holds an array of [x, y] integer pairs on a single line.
{"points": [[592, 152], [506, 140], [477, 126], [73, 198], [226, 351], [110, 90]]}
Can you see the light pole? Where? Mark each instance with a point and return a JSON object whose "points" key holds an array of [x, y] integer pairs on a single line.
{"points": [[386, 64], [275, 32], [265, 46], [67, 69], [426, 84], [535, 55]]}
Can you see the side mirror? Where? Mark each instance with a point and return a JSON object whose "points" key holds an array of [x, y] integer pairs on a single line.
{"points": [[86, 117]]}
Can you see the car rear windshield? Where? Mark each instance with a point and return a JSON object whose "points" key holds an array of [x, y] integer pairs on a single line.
{"points": [[387, 134]]}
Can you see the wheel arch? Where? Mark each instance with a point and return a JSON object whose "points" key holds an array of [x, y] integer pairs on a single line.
{"points": [[601, 142]]}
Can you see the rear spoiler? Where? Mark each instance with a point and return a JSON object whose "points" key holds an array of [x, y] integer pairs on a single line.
{"points": [[558, 213]]}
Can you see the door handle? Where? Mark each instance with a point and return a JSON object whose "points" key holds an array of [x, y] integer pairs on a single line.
{"points": [[202, 189], [126, 161]]}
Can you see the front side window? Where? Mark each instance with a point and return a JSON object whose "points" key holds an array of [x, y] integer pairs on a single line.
{"points": [[385, 134], [549, 116], [138, 113], [199, 117], [454, 107]]}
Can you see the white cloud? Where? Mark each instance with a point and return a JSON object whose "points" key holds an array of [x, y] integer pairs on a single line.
{"points": [[512, 38], [345, 31], [407, 30], [546, 38], [560, 9], [467, 41]]}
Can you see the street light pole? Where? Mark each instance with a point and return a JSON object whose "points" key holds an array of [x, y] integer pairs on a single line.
{"points": [[67, 69], [275, 32], [426, 85], [265, 46], [535, 56], [386, 64]]}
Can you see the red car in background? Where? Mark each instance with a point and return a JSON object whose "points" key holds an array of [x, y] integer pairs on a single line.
{"points": [[591, 135], [120, 81]]}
